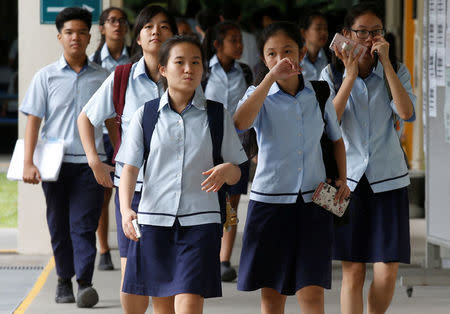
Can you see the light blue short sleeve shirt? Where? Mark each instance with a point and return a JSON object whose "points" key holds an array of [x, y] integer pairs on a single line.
{"points": [[108, 62], [288, 131], [57, 94], [371, 141], [140, 89], [225, 87], [180, 150], [311, 71]]}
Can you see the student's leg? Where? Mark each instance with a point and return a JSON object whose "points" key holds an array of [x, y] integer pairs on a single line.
{"points": [[188, 303], [353, 276], [131, 303], [58, 224], [382, 288], [134, 304], [272, 302], [311, 300], [102, 230], [229, 236], [163, 305], [86, 197]]}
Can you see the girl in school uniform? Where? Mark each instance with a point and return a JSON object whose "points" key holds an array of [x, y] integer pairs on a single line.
{"points": [[314, 30], [226, 82], [375, 95], [287, 239], [111, 52], [176, 260], [154, 25]]}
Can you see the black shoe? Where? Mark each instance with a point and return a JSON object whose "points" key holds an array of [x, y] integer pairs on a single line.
{"points": [[105, 262], [227, 273], [87, 296], [64, 291]]}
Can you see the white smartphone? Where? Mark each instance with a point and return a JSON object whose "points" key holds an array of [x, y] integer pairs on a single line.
{"points": [[136, 228], [343, 43]]}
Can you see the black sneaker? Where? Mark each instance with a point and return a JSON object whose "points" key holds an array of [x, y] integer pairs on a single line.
{"points": [[64, 291], [87, 296], [105, 262], [227, 273]]}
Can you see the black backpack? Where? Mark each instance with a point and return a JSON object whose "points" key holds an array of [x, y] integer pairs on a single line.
{"points": [[322, 91], [248, 137]]}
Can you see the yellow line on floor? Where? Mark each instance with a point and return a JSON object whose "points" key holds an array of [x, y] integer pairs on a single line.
{"points": [[36, 288], [8, 251]]}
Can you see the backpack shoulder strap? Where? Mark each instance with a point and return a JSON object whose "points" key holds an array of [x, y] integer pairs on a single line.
{"points": [[206, 78], [97, 56], [215, 122], [121, 75], [322, 91], [248, 75], [149, 120], [336, 76]]}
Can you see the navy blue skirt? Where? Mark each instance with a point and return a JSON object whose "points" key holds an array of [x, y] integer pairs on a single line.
{"points": [[286, 247], [242, 185], [122, 240], [379, 227], [167, 261]]}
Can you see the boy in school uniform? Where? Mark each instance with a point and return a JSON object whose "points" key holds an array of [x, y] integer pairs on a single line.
{"points": [[57, 94]]}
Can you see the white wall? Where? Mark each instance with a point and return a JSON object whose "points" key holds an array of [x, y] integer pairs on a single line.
{"points": [[38, 47]]}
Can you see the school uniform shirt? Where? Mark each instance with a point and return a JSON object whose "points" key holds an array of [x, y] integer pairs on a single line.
{"points": [[225, 87], [140, 89], [371, 141], [311, 71], [57, 94], [180, 150], [108, 62], [288, 131]]}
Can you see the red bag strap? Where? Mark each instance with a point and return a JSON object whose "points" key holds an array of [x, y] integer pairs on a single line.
{"points": [[121, 75]]}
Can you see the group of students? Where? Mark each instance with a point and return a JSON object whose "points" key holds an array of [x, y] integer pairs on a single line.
{"points": [[178, 150]]}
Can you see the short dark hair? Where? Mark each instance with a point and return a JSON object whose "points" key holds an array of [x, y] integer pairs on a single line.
{"points": [[74, 13], [218, 32], [307, 19], [207, 18], [166, 47]]}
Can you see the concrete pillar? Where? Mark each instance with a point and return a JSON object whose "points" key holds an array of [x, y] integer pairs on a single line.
{"points": [[393, 21], [38, 47], [418, 162]]}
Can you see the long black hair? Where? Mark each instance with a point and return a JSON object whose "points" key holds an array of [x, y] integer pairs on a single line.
{"points": [[289, 29], [218, 32], [102, 20], [142, 19]]}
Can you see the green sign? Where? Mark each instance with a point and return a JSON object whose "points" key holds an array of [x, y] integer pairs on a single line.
{"points": [[51, 8]]}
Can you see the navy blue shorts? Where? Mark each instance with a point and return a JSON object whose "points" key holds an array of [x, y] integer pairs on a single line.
{"points": [[167, 261], [242, 185], [122, 240], [379, 227], [109, 150], [286, 247]]}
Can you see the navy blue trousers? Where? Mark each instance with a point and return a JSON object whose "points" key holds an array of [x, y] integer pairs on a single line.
{"points": [[74, 205]]}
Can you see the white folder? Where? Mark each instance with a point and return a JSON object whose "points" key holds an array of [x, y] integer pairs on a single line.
{"points": [[48, 156]]}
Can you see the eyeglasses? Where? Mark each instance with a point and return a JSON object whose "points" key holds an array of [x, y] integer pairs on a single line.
{"points": [[114, 21], [364, 34]]}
